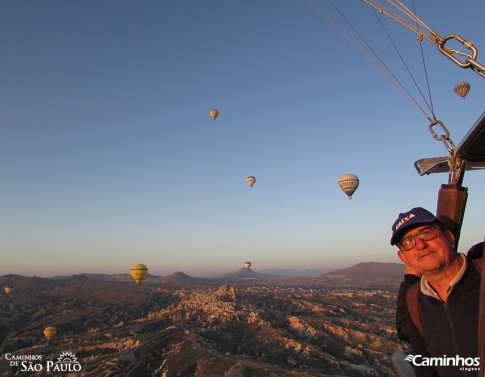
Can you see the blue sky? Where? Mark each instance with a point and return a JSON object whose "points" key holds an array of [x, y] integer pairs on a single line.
{"points": [[108, 155]]}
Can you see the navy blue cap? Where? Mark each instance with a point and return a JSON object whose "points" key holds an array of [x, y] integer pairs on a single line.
{"points": [[411, 219]]}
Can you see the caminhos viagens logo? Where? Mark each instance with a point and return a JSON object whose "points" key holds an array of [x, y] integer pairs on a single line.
{"points": [[465, 363]]}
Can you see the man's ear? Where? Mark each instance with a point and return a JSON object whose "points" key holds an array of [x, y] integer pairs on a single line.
{"points": [[400, 254], [449, 234]]}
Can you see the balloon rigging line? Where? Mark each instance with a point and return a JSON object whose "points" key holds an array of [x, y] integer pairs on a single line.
{"points": [[431, 37], [404, 63], [425, 70], [413, 16], [389, 74]]}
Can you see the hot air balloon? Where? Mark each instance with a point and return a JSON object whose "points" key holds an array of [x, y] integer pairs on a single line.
{"points": [[247, 265], [138, 272], [214, 113], [50, 332], [348, 183], [462, 88], [250, 181], [8, 290]]}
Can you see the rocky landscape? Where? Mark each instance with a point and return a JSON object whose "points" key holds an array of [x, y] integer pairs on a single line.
{"points": [[184, 326]]}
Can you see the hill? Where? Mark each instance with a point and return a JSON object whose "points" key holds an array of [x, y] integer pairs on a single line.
{"points": [[179, 278], [367, 274]]}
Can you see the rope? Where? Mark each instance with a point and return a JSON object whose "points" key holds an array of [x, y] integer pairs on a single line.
{"points": [[404, 63], [431, 37], [388, 75], [425, 69]]}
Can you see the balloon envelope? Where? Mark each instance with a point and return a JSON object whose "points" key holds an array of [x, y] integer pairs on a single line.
{"points": [[348, 183], [214, 113], [138, 272], [8, 290], [50, 332], [462, 88], [247, 265], [250, 181]]}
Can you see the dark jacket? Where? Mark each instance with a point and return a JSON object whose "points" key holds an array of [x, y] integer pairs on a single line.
{"points": [[401, 309], [450, 329]]}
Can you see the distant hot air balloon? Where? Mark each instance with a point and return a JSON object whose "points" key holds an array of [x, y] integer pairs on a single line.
{"points": [[462, 88], [138, 272], [247, 265], [214, 113], [50, 332], [250, 181], [8, 290], [348, 183]]}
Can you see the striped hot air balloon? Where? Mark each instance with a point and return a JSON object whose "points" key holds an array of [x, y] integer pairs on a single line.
{"points": [[348, 183], [50, 332], [462, 88], [138, 272]]}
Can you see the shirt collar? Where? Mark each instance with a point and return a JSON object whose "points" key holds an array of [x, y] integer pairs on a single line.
{"points": [[428, 290]]}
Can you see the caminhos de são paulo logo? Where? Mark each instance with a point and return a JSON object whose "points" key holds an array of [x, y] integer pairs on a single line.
{"points": [[66, 362]]}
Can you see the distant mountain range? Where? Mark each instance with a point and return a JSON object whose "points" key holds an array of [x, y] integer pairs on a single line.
{"points": [[366, 274], [295, 272], [364, 270], [245, 274]]}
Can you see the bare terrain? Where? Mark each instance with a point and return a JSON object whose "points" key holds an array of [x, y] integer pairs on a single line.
{"points": [[337, 324]]}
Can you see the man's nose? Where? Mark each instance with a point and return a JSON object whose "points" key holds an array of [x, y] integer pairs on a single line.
{"points": [[420, 244]]}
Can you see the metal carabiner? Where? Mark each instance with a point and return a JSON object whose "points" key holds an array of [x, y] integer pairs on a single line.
{"points": [[441, 137], [448, 53], [445, 138]]}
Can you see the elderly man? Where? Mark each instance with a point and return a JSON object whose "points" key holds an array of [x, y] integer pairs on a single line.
{"points": [[448, 297]]}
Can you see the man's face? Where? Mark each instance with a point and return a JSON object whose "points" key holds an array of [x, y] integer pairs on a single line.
{"points": [[428, 256]]}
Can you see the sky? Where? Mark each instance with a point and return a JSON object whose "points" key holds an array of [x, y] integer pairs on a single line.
{"points": [[109, 157]]}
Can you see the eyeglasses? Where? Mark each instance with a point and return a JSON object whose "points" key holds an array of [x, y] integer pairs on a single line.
{"points": [[425, 234]]}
